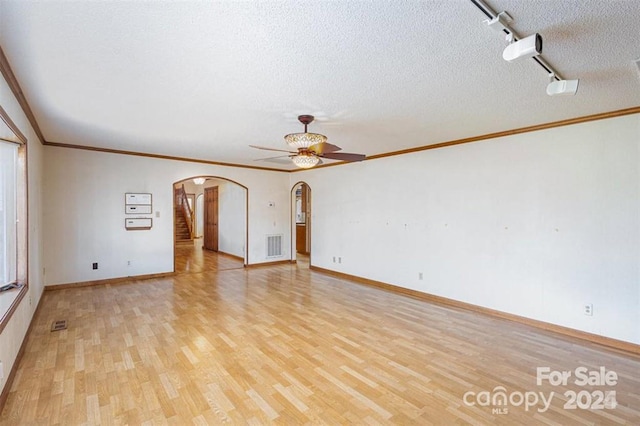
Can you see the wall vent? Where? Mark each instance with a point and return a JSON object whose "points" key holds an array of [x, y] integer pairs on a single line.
{"points": [[274, 245]]}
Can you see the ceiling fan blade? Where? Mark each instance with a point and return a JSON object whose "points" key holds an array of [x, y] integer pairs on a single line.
{"points": [[271, 149], [344, 156], [271, 158], [321, 148], [276, 160]]}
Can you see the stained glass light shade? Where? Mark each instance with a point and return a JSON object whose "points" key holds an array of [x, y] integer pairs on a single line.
{"points": [[305, 161], [304, 140]]}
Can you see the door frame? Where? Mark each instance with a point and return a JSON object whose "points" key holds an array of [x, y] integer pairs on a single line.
{"points": [[246, 213], [307, 220]]}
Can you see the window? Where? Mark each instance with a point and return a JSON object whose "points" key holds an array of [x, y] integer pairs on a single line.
{"points": [[8, 213], [13, 216]]}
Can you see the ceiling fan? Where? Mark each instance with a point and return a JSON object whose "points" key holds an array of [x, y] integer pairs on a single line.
{"points": [[310, 148]]}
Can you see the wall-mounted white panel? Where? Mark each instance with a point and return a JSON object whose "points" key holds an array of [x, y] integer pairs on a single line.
{"points": [[139, 209], [137, 198], [138, 223]]}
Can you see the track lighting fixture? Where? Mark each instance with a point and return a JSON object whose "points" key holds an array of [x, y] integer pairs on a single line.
{"points": [[527, 47], [561, 87], [517, 48]]}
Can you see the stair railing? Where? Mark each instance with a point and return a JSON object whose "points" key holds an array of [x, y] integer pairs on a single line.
{"points": [[183, 205]]}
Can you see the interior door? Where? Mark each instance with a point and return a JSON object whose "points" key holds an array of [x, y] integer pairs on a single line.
{"points": [[211, 218]]}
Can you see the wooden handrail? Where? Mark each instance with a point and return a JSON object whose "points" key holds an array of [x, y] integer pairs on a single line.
{"points": [[183, 205]]}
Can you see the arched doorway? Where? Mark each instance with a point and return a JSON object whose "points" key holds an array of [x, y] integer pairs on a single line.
{"points": [[301, 223], [191, 252]]}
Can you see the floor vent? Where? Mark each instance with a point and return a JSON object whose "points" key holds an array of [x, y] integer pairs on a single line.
{"points": [[59, 325], [274, 245]]}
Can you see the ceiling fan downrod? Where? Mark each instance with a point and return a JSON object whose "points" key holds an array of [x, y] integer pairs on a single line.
{"points": [[306, 120]]}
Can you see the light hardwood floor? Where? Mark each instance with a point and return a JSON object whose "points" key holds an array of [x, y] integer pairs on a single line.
{"points": [[286, 345], [192, 258]]}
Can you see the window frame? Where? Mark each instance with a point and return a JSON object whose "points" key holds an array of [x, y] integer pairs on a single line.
{"points": [[22, 259]]}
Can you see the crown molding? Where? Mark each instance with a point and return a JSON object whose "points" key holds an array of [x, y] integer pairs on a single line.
{"points": [[12, 81], [159, 156], [534, 128], [488, 136]]}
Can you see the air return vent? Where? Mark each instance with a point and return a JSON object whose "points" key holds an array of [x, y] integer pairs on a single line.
{"points": [[59, 325], [274, 245]]}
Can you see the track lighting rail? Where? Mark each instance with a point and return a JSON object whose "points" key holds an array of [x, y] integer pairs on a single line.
{"points": [[509, 32]]}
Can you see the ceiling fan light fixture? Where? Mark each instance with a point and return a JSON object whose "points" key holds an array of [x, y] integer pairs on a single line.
{"points": [[310, 147], [304, 140], [305, 161]]}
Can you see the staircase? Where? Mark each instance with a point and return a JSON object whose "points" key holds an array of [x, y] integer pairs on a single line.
{"points": [[182, 230], [182, 218]]}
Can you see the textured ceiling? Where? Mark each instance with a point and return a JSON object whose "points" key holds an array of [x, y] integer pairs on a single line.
{"points": [[206, 79]]}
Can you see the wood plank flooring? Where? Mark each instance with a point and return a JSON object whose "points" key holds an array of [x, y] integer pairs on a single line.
{"points": [[192, 258], [285, 345]]}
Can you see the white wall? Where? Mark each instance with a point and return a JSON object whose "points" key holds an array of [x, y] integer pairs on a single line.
{"points": [[84, 212], [537, 224], [12, 336], [232, 218], [199, 211]]}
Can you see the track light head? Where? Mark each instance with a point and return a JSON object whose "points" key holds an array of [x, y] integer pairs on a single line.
{"points": [[561, 87], [527, 47]]}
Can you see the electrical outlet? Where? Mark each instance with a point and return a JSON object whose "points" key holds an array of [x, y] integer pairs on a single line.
{"points": [[95, 265], [588, 309], [334, 259], [420, 276], [1, 371], [339, 260], [128, 263]]}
